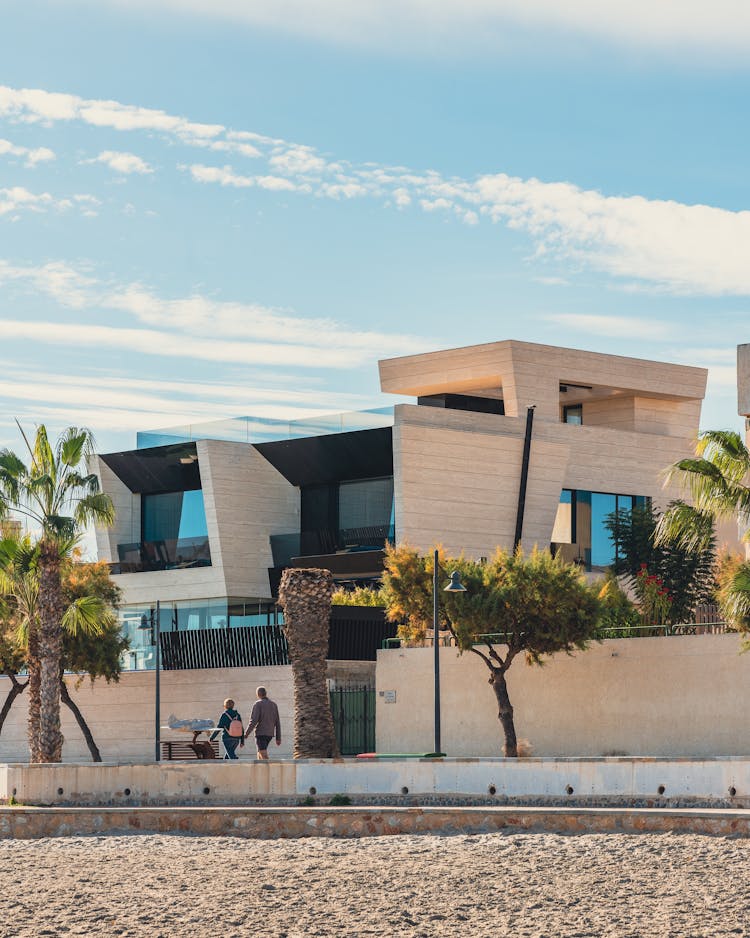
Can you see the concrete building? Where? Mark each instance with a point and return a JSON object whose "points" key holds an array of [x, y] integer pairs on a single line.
{"points": [[208, 517]]}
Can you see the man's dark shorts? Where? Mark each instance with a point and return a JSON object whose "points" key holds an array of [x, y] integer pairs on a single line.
{"points": [[263, 742]]}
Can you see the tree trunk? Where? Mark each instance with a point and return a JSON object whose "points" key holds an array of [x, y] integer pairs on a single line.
{"points": [[306, 598], [34, 703], [505, 712], [96, 756], [16, 688], [50, 652]]}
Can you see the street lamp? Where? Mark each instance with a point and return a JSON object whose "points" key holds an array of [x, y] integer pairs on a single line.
{"points": [[455, 586], [152, 622]]}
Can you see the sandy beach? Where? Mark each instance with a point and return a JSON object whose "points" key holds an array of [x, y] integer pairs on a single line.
{"points": [[495, 884]]}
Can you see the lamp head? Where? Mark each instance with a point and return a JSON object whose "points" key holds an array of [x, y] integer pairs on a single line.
{"points": [[455, 585]]}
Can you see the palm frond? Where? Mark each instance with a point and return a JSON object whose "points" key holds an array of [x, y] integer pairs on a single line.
{"points": [[98, 508], [85, 614], [685, 526]]}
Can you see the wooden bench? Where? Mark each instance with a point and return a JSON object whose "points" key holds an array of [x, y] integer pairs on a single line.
{"points": [[179, 750]]}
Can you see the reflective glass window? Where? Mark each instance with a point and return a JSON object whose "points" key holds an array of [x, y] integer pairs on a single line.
{"points": [[573, 413], [368, 503], [174, 529]]}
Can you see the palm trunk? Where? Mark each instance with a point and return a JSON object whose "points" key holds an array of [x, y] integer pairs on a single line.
{"points": [[16, 688], [34, 701], [50, 652], [306, 598], [504, 712], [96, 756]]}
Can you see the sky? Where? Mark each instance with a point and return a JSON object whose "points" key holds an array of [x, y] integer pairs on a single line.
{"points": [[214, 208]]}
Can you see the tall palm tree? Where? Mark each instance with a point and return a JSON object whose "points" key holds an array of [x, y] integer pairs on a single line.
{"points": [[55, 493], [717, 480], [19, 589], [306, 598]]}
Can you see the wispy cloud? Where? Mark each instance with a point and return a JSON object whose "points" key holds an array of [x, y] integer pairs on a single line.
{"points": [[666, 244], [722, 26], [615, 327], [135, 403], [31, 156], [125, 163], [187, 327]]}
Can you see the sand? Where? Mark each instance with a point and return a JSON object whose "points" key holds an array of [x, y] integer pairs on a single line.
{"points": [[648, 885]]}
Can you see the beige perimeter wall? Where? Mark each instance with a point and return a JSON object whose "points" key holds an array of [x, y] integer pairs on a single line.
{"points": [[121, 716], [673, 696]]}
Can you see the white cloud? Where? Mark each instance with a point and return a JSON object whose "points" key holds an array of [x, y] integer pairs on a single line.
{"points": [[18, 199], [722, 26], [657, 242], [31, 156], [187, 327], [221, 174], [126, 163], [626, 327]]}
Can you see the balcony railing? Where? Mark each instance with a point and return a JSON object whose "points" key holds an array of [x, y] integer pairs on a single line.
{"points": [[324, 541], [147, 556]]}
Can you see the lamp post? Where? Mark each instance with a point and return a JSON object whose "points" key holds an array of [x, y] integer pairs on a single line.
{"points": [[455, 586], [153, 624]]}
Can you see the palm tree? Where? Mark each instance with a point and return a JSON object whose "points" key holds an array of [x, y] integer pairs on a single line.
{"points": [[718, 483], [19, 589], [306, 598], [56, 494]]}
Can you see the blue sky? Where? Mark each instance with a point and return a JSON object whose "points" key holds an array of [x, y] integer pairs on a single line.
{"points": [[236, 207]]}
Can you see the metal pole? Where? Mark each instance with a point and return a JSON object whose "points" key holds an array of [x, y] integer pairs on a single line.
{"points": [[157, 686], [436, 649], [524, 476]]}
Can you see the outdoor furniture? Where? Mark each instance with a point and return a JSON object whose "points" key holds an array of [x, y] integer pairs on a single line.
{"points": [[179, 750]]}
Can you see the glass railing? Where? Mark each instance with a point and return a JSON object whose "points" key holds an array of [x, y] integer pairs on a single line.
{"points": [[147, 556], [329, 541], [267, 430]]}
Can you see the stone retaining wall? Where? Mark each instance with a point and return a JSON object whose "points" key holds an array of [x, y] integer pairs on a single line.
{"points": [[509, 781], [30, 823]]}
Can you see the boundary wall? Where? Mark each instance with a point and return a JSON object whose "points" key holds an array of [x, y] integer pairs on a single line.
{"points": [[28, 823], [682, 695]]}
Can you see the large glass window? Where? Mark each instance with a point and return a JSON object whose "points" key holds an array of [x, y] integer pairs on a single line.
{"points": [[174, 530], [138, 622], [365, 504], [573, 413], [580, 533]]}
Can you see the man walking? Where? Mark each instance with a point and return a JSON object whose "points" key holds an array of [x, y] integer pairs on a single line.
{"points": [[265, 721]]}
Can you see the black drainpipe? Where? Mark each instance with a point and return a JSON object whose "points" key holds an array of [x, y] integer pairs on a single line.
{"points": [[524, 476]]}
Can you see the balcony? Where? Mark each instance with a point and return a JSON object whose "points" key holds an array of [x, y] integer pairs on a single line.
{"points": [[150, 556], [325, 541]]}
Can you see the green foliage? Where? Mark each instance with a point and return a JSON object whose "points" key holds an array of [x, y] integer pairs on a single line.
{"points": [[716, 480], [338, 801], [619, 615], [733, 593], [54, 490], [535, 604], [360, 596], [95, 650], [307, 802], [669, 577]]}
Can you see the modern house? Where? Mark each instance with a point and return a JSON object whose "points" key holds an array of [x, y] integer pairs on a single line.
{"points": [[503, 443]]}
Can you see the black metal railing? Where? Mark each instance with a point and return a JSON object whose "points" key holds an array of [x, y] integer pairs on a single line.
{"points": [[355, 634], [147, 556], [245, 647], [329, 541]]}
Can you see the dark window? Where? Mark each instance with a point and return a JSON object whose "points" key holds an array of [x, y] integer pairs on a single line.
{"points": [[573, 413], [480, 405]]}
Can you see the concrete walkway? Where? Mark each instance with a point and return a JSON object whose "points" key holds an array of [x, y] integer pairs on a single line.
{"points": [[278, 822]]}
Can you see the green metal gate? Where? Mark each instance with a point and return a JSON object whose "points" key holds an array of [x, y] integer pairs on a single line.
{"points": [[353, 710]]}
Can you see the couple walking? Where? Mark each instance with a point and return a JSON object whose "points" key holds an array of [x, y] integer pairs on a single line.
{"points": [[264, 719]]}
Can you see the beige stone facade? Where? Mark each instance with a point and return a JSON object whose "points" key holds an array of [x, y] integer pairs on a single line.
{"points": [[457, 472]]}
